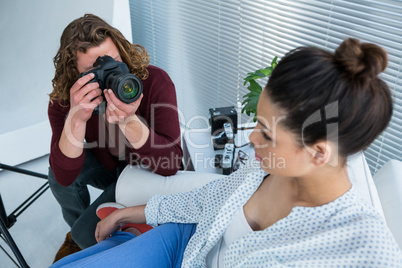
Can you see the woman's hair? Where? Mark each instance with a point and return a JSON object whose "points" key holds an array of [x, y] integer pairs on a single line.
{"points": [[333, 96], [80, 35]]}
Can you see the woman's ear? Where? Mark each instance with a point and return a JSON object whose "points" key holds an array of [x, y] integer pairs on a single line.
{"points": [[322, 153]]}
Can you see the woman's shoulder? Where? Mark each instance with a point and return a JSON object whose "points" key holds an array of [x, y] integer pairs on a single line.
{"points": [[362, 230], [351, 207], [353, 217], [346, 214], [355, 204], [348, 228]]}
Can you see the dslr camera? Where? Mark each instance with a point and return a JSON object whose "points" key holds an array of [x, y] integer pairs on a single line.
{"points": [[116, 76]]}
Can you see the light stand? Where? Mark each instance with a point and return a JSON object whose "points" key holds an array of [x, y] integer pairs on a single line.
{"points": [[7, 221]]}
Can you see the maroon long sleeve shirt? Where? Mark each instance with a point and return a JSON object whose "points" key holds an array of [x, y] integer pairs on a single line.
{"points": [[162, 151]]}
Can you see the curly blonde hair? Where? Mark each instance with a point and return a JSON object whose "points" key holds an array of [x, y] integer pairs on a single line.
{"points": [[80, 35]]}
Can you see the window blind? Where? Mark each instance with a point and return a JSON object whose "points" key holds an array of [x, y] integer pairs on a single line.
{"points": [[208, 47]]}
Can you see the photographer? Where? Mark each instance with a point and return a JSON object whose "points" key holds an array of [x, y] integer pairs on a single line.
{"points": [[96, 133]]}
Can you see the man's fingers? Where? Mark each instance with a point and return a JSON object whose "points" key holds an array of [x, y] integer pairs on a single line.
{"points": [[81, 82]]}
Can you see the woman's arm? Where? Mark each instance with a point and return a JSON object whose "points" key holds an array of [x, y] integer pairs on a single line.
{"points": [[187, 207], [184, 207], [116, 220]]}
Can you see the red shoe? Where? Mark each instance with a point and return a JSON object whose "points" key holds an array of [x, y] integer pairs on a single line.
{"points": [[106, 209]]}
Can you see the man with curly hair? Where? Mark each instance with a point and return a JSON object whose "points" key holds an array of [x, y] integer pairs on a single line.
{"points": [[92, 148]]}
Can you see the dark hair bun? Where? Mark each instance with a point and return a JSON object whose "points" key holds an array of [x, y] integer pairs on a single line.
{"points": [[337, 97], [362, 60]]}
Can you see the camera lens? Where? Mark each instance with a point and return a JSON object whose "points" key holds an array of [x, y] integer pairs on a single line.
{"points": [[127, 87], [129, 90]]}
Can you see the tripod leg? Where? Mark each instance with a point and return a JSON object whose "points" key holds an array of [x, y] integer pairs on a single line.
{"points": [[8, 237]]}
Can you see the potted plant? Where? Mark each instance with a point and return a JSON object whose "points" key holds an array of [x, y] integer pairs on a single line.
{"points": [[251, 99]]}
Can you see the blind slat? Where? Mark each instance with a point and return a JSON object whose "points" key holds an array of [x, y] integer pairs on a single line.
{"points": [[208, 47]]}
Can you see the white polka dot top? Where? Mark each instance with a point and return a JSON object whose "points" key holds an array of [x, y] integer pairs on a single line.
{"points": [[346, 232]]}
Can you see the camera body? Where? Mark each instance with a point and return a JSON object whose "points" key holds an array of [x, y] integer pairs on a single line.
{"points": [[116, 76]]}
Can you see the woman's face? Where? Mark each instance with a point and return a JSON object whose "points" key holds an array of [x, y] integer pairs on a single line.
{"points": [[86, 60], [276, 148]]}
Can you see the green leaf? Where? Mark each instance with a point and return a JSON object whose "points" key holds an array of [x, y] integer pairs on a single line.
{"points": [[256, 75], [251, 95], [254, 86], [267, 71], [274, 62], [251, 99]]}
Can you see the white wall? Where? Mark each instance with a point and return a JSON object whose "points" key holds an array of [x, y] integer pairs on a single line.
{"points": [[30, 34]]}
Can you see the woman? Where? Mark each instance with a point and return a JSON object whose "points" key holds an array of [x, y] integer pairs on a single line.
{"points": [[316, 109], [146, 130]]}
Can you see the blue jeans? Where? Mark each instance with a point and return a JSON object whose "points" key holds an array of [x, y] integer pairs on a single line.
{"points": [[160, 247], [74, 200]]}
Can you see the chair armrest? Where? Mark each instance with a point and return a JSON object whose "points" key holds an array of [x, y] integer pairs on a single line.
{"points": [[389, 185], [360, 177], [137, 184]]}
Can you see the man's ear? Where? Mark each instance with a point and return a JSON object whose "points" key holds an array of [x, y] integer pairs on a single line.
{"points": [[322, 153]]}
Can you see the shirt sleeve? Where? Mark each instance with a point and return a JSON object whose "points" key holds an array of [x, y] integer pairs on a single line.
{"points": [[185, 207], [162, 151], [65, 169], [200, 204]]}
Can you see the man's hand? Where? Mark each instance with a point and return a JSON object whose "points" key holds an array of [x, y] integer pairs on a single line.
{"points": [[84, 97], [118, 111]]}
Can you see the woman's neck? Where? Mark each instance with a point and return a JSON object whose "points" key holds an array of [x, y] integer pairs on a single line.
{"points": [[322, 186]]}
